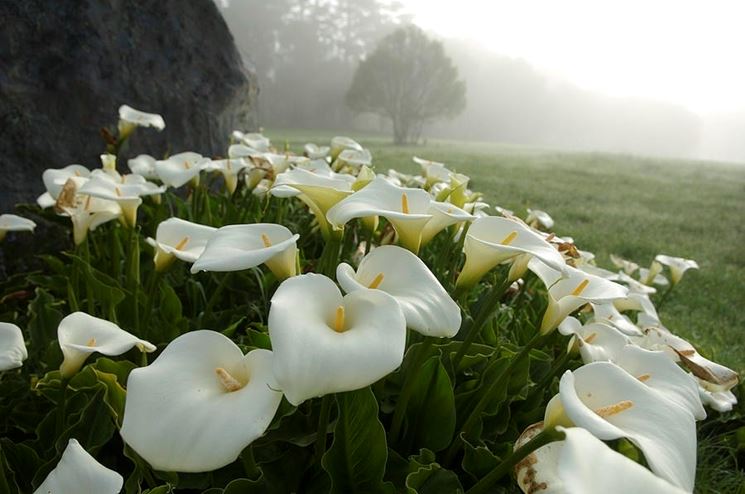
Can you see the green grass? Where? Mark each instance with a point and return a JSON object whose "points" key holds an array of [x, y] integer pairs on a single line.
{"points": [[636, 207]]}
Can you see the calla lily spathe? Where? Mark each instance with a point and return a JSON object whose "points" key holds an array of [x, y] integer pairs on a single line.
{"points": [[678, 266], [126, 195], [179, 239], [583, 464], [129, 118], [81, 334], [319, 191], [412, 212], [570, 291], [180, 169], [229, 168], [200, 403], [432, 171], [77, 471], [55, 179], [341, 143], [325, 343], [651, 276], [596, 341], [628, 267], [86, 212], [14, 223], [426, 305], [239, 247], [314, 151], [253, 140], [143, 165], [610, 403], [12, 347], [492, 240], [540, 220], [353, 158]]}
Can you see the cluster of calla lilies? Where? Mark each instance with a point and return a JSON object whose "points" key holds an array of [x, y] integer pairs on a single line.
{"points": [[202, 400]]}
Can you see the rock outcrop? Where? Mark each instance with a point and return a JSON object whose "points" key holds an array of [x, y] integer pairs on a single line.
{"points": [[67, 66]]}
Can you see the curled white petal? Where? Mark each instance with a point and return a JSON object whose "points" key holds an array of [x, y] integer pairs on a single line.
{"points": [[200, 403], [78, 471], [12, 347], [426, 305], [313, 357]]}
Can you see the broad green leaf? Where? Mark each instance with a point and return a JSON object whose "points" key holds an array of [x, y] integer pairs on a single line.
{"points": [[356, 459], [427, 477], [430, 414]]}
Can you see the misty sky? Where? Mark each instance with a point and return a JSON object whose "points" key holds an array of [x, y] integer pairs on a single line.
{"points": [[680, 51]]}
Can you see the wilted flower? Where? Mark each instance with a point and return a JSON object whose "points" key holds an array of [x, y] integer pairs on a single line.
{"points": [[200, 403], [14, 223], [583, 464], [678, 266], [56, 178], [12, 347], [80, 335], [325, 343], [78, 471], [238, 247], [426, 305], [179, 239]]}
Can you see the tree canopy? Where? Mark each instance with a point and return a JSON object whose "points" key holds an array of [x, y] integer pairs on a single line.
{"points": [[409, 79]]}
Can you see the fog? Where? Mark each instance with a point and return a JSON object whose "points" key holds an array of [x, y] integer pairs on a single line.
{"points": [[305, 54]]}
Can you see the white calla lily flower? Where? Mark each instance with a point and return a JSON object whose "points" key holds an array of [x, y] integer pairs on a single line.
{"points": [[229, 168], [253, 140], [492, 240], [596, 341], [200, 403], [433, 171], [611, 403], [325, 343], [86, 212], [721, 401], [570, 291], [242, 151], [678, 266], [179, 239], [80, 335], [143, 165], [239, 247], [564, 467], [14, 223], [127, 196], [12, 347], [634, 285], [412, 212], [628, 267], [656, 370], [180, 168], [607, 313], [538, 219], [341, 143], [651, 276], [353, 158], [129, 118], [426, 305], [318, 191], [56, 178], [714, 377], [78, 471], [314, 151]]}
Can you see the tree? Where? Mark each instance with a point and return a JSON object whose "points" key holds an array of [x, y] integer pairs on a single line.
{"points": [[409, 79]]}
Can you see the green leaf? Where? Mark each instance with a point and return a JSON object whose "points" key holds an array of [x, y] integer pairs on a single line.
{"points": [[428, 477], [44, 319], [356, 459], [430, 412]]}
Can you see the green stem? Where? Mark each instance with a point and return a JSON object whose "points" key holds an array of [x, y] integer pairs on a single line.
{"points": [[249, 464], [330, 256], [545, 437], [150, 294], [407, 389], [665, 296], [488, 306], [323, 423], [62, 408], [217, 293], [487, 395]]}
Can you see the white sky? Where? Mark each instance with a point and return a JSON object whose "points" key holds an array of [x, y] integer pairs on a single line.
{"points": [[682, 51]]}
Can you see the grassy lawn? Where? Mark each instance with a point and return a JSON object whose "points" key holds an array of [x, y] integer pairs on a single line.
{"points": [[632, 206]]}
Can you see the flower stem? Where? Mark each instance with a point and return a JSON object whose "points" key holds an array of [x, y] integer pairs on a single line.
{"points": [[407, 389], [323, 423], [488, 306], [545, 437]]}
